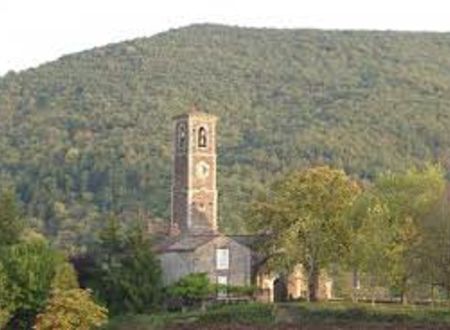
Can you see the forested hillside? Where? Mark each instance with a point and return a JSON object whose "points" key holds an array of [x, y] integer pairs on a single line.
{"points": [[90, 132]]}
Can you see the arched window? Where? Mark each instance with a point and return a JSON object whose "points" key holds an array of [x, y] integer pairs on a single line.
{"points": [[202, 139], [181, 136]]}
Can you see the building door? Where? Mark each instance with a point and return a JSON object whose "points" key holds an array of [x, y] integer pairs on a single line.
{"points": [[280, 292], [222, 281]]}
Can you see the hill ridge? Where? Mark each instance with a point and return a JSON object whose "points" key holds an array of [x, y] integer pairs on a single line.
{"points": [[90, 132]]}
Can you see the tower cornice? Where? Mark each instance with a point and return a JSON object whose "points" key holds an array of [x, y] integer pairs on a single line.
{"points": [[196, 114]]}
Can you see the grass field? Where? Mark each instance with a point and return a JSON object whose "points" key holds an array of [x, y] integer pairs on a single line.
{"points": [[294, 316]]}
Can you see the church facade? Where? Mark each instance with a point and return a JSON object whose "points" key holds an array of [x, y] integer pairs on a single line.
{"points": [[195, 245]]}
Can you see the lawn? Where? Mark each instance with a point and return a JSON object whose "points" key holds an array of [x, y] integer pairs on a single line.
{"points": [[253, 314], [331, 315]]}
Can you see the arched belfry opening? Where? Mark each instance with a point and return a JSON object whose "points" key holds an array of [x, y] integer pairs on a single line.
{"points": [[181, 136], [202, 137]]}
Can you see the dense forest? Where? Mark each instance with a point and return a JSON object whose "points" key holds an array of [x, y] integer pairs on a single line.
{"points": [[90, 133]]}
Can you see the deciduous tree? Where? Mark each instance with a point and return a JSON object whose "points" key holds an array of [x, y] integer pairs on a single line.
{"points": [[409, 197], [304, 217]]}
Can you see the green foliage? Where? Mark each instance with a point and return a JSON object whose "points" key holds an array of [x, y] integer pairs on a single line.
{"points": [[94, 127], [72, 309], [191, 289], [30, 267], [372, 239], [434, 247], [10, 232], [125, 273], [411, 193], [6, 298], [239, 290], [31, 272], [391, 242], [409, 196], [65, 278], [305, 218], [4, 317], [11, 225]]}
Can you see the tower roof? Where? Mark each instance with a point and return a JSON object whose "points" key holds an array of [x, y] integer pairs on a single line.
{"points": [[195, 112]]}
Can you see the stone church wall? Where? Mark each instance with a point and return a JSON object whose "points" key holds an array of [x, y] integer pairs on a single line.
{"points": [[175, 265], [239, 272]]}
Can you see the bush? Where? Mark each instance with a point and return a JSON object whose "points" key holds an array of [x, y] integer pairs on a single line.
{"points": [[239, 291], [71, 310], [191, 290]]}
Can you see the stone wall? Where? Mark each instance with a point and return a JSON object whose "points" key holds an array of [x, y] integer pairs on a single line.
{"points": [[239, 272], [175, 265], [203, 260]]}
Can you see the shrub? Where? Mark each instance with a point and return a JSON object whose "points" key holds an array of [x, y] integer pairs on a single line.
{"points": [[191, 289], [71, 310], [240, 291]]}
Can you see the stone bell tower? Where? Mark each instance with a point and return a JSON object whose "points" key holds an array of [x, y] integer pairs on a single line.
{"points": [[194, 192]]}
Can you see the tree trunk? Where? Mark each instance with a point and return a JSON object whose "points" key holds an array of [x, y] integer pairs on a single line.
{"points": [[432, 294], [403, 298], [373, 287], [404, 289], [355, 285], [313, 283]]}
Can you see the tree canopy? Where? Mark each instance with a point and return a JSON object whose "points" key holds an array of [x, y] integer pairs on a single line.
{"points": [[304, 218]]}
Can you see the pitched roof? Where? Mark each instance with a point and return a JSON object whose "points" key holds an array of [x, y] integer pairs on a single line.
{"points": [[186, 243], [191, 242]]}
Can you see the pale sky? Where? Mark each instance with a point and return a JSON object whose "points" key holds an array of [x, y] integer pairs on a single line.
{"points": [[36, 31]]}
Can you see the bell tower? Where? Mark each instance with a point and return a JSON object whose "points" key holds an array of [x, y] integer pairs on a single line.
{"points": [[194, 192]]}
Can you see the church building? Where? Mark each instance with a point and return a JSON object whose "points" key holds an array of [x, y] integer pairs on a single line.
{"points": [[195, 245]]}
